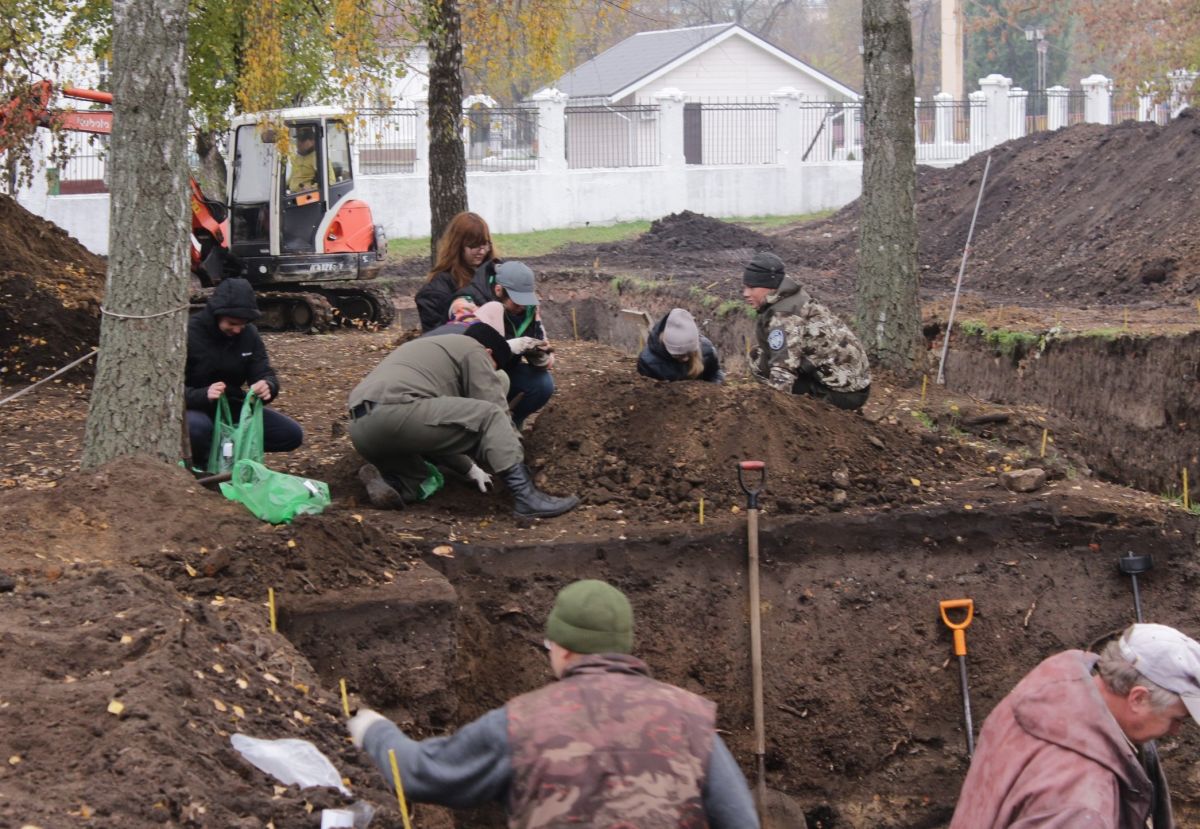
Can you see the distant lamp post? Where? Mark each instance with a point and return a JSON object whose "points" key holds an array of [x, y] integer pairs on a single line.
{"points": [[1037, 35]]}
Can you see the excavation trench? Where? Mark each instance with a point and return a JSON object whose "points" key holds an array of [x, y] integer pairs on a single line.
{"points": [[864, 718]]}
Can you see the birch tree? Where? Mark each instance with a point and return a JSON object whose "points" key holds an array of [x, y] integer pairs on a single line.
{"points": [[889, 314], [137, 397]]}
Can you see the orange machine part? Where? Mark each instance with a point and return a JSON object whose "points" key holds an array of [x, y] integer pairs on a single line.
{"points": [[352, 229]]}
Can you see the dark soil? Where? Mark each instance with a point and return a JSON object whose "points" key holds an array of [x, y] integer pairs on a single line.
{"points": [[434, 613], [50, 292]]}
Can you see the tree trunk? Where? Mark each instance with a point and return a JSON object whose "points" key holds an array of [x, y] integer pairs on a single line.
{"points": [[137, 396], [447, 161], [889, 313], [212, 174]]}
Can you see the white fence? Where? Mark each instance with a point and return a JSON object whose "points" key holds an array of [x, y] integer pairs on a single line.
{"points": [[548, 164]]}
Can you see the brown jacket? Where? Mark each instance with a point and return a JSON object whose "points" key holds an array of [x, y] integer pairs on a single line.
{"points": [[1051, 756], [609, 747]]}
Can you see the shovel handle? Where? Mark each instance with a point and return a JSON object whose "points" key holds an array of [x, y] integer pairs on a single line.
{"points": [[752, 494], [959, 628]]}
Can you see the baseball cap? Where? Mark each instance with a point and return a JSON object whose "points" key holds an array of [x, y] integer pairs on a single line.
{"points": [[1167, 658], [517, 280]]}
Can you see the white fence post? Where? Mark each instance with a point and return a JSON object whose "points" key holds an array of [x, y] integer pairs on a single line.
{"points": [[787, 125], [943, 125], [977, 103], [1056, 107], [552, 129], [1097, 102], [995, 90], [1017, 106], [670, 125], [421, 138]]}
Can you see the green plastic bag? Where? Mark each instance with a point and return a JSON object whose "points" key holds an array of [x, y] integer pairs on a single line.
{"points": [[272, 496], [232, 442]]}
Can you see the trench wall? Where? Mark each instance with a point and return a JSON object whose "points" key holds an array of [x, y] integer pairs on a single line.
{"points": [[1134, 400]]}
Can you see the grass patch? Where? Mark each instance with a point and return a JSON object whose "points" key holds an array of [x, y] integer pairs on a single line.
{"points": [[534, 243], [735, 306], [1015, 344], [766, 222], [924, 419], [622, 283]]}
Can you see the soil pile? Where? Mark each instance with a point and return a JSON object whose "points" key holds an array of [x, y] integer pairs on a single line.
{"points": [[654, 449], [50, 292], [1087, 214]]}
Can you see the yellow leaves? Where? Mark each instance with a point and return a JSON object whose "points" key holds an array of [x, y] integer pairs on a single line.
{"points": [[915, 481], [116, 707], [15, 760], [220, 706]]}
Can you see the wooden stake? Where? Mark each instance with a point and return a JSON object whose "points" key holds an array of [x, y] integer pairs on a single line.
{"points": [[702, 512], [271, 608], [399, 788], [574, 323], [1187, 502], [924, 386], [1126, 319], [1045, 437], [345, 698]]}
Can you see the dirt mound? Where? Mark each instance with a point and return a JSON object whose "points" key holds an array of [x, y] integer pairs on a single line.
{"points": [[185, 675], [654, 449], [1088, 214], [50, 292]]}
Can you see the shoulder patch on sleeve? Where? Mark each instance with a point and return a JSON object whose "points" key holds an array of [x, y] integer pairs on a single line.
{"points": [[776, 339]]}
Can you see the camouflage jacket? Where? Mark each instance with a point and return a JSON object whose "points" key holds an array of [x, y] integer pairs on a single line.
{"points": [[607, 746], [799, 336]]}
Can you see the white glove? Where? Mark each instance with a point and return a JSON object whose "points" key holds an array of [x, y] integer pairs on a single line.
{"points": [[519, 345], [481, 478], [360, 722]]}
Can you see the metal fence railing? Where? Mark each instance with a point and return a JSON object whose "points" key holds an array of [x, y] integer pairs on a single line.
{"points": [[500, 139], [612, 136], [386, 140], [831, 131], [735, 132], [1076, 107], [84, 168]]}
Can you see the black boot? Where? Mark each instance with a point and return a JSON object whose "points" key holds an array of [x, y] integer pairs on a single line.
{"points": [[529, 502], [383, 495]]}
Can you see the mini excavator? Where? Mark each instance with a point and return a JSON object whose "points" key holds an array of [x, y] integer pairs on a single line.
{"points": [[290, 225]]}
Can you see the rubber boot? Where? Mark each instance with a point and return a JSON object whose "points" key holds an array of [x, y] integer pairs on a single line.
{"points": [[382, 494], [529, 502]]}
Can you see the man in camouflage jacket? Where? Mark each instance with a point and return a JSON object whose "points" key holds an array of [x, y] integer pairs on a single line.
{"points": [[803, 348], [605, 746]]}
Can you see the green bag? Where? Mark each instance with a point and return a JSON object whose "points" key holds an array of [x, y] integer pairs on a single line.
{"points": [[272, 496], [232, 442]]}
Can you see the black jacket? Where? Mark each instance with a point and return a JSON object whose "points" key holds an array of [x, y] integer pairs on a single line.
{"points": [[656, 362], [213, 357], [434, 298], [482, 289]]}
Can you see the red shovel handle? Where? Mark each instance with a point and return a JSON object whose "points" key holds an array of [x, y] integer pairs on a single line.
{"points": [[752, 493], [749, 465]]}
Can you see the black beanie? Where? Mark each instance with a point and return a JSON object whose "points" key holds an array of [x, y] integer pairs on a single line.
{"points": [[489, 337], [764, 271], [234, 298]]}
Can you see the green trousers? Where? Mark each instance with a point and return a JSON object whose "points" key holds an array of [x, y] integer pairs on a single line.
{"points": [[398, 438]]}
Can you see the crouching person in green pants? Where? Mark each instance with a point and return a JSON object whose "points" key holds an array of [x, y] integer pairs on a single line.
{"points": [[442, 400]]}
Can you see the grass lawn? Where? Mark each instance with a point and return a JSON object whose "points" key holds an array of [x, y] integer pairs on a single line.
{"points": [[540, 242]]}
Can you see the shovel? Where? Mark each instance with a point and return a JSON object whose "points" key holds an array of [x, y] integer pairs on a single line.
{"points": [[960, 650], [752, 494], [1134, 565]]}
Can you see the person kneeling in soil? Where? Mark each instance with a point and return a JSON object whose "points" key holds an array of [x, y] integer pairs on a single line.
{"points": [[605, 745], [803, 348], [442, 400], [1063, 748], [512, 284], [225, 352], [676, 350]]}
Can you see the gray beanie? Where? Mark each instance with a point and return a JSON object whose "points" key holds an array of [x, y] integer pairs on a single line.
{"points": [[764, 271], [680, 335]]}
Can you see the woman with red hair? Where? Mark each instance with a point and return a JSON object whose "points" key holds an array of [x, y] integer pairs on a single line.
{"points": [[465, 246]]}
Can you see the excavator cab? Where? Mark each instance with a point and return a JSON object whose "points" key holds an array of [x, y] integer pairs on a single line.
{"points": [[294, 225]]}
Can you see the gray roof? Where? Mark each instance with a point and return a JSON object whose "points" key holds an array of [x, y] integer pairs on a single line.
{"points": [[632, 59]]}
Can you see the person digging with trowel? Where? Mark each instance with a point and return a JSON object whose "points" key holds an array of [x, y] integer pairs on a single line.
{"points": [[1063, 748], [605, 745], [441, 400]]}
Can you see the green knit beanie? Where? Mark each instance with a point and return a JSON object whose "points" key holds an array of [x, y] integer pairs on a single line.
{"points": [[591, 616]]}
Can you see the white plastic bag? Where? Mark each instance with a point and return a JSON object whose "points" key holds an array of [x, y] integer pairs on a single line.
{"points": [[290, 761]]}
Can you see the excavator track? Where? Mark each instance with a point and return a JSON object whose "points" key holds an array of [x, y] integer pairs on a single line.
{"points": [[305, 311], [359, 305]]}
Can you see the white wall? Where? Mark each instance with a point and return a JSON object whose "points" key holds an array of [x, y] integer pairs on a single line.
{"points": [[523, 201]]}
